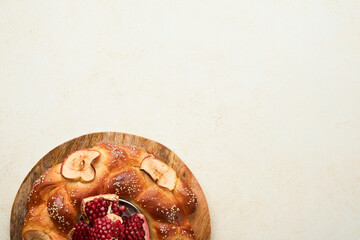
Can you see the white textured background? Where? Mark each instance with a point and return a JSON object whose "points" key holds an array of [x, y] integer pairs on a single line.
{"points": [[261, 99]]}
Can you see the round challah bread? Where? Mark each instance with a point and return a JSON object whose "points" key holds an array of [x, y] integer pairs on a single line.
{"points": [[54, 202]]}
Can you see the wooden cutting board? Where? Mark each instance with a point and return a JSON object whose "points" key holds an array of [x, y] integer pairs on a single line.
{"points": [[200, 220]]}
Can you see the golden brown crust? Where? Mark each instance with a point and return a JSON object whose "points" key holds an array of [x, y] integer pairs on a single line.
{"points": [[186, 197], [161, 205], [127, 184], [54, 202], [60, 210]]}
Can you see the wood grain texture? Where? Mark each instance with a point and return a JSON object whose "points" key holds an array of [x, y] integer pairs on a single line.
{"points": [[200, 220]]}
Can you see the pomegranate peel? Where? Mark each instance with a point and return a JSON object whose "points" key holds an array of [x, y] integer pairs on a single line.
{"points": [[114, 217]]}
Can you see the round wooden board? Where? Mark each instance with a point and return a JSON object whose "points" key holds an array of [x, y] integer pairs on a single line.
{"points": [[200, 220]]}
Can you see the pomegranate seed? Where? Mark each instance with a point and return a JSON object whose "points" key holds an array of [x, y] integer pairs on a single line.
{"points": [[134, 228], [98, 208], [105, 228], [82, 231]]}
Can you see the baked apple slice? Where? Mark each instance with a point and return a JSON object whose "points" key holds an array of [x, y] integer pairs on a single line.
{"points": [[160, 172], [78, 165]]}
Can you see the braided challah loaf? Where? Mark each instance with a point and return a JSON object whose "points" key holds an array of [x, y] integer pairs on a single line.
{"points": [[131, 173]]}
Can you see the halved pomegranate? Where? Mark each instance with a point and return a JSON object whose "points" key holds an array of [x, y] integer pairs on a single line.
{"points": [[136, 227], [102, 220], [100, 206]]}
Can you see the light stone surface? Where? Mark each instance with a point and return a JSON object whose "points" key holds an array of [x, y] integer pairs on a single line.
{"points": [[261, 99]]}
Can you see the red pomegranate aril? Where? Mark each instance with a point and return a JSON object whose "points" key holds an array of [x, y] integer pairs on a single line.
{"points": [[98, 208], [118, 210], [134, 227], [105, 228], [81, 231], [106, 224]]}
